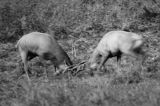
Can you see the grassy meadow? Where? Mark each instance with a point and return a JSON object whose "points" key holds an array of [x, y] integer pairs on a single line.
{"points": [[78, 25]]}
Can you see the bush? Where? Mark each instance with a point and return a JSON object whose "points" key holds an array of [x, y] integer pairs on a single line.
{"points": [[64, 17]]}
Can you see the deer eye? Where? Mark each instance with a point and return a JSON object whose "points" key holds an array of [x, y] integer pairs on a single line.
{"points": [[98, 60], [99, 56]]}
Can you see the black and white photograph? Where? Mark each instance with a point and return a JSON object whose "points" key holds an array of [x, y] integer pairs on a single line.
{"points": [[79, 52]]}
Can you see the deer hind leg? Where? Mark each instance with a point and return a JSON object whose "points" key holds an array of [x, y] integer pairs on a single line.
{"points": [[119, 64], [24, 60]]}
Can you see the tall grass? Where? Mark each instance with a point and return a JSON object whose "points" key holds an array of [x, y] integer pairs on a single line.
{"points": [[66, 17], [81, 23]]}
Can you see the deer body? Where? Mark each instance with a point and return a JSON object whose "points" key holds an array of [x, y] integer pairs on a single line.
{"points": [[42, 45], [116, 43]]}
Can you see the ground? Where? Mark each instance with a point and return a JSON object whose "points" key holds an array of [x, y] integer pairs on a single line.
{"points": [[136, 86]]}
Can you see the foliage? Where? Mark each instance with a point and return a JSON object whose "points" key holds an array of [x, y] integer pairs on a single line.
{"points": [[65, 17], [79, 25]]}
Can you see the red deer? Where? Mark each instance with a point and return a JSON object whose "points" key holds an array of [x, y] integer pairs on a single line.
{"points": [[42, 45], [114, 44]]}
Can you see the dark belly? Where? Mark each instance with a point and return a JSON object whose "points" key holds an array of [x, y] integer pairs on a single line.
{"points": [[31, 55], [117, 53]]}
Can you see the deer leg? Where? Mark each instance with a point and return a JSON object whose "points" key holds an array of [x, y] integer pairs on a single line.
{"points": [[119, 64], [57, 70], [103, 61], [24, 60], [42, 59]]}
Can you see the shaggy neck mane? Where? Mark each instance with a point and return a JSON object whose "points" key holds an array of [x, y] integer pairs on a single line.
{"points": [[94, 56]]}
